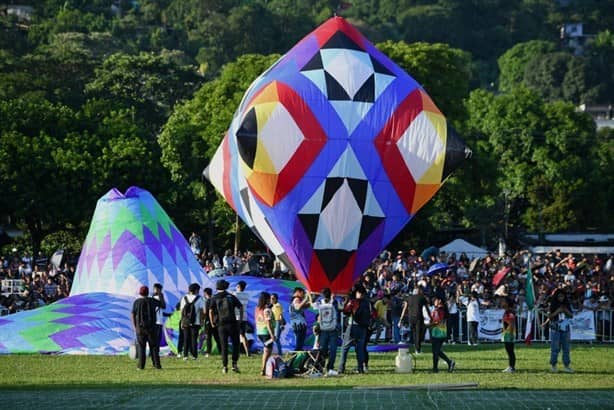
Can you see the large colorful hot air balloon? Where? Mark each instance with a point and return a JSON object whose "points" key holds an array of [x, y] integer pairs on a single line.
{"points": [[330, 154]]}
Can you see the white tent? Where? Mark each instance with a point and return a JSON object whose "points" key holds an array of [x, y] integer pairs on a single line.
{"points": [[459, 246]]}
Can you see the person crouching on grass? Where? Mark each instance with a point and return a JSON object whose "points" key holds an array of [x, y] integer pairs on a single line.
{"points": [[509, 332], [439, 333], [265, 323]]}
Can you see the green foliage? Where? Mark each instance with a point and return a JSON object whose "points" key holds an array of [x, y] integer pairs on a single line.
{"points": [[513, 63], [442, 71]]}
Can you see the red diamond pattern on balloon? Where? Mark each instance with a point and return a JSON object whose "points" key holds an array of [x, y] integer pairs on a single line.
{"points": [[278, 139], [412, 146]]}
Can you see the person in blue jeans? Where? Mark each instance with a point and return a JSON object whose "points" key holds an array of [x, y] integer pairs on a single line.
{"points": [[300, 303], [328, 319], [359, 311], [560, 320]]}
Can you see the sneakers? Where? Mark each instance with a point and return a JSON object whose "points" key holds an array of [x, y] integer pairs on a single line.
{"points": [[359, 371], [568, 369], [235, 369], [224, 370], [185, 358], [553, 369], [508, 370], [365, 369], [332, 372], [451, 366]]}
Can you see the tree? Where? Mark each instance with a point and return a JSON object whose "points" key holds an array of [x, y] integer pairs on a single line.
{"points": [[442, 71], [541, 153], [513, 63], [192, 134]]}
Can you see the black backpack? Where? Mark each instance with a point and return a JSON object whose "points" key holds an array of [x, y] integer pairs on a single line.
{"points": [[225, 309], [188, 313], [146, 315]]}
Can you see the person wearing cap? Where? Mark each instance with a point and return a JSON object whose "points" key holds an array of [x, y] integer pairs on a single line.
{"points": [[222, 316], [144, 320], [190, 333]]}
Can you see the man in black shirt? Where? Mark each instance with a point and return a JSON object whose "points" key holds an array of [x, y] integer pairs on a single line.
{"points": [[414, 308], [144, 322], [222, 317]]}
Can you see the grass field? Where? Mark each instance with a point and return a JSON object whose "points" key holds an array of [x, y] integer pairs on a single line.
{"points": [[594, 367]]}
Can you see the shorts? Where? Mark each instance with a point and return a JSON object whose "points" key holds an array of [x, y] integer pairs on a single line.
{"points": [[266, 341]]}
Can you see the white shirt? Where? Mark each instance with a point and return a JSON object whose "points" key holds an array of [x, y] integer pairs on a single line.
{"points": [[244, 299], [159, 312], [473, 311]]}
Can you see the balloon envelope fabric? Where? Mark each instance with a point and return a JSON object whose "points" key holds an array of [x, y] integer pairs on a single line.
{"points": [[133, 242], [94, 323], [330, 154]]}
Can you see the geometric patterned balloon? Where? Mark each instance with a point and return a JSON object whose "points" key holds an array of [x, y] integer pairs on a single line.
{"points": [[133, 242], [330, 154]]}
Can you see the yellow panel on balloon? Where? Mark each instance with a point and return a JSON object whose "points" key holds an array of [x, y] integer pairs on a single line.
{"points": [[268, 94], [439, 123], [434, 174], [422, 194], [262, 161]]}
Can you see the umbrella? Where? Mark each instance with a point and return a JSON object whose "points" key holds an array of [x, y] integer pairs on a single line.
{"points": [[473, 264], [500, 275], [428, 252], [437, 268]]}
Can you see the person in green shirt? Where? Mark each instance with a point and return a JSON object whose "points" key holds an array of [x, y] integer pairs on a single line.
{"points": [[439, 334]]}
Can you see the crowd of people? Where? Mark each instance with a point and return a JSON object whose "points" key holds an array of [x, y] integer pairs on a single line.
{"points": [[34, 282]]}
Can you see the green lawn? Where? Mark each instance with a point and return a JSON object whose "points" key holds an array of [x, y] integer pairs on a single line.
{"points": [[594, 367]]}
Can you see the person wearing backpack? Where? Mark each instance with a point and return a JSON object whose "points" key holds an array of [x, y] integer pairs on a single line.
{"points": [[358, 308], [144, 322], [192, 308], [222, 317], [328, 317]]}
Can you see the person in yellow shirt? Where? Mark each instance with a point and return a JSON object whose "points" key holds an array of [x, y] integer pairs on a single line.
{"points": [[381, 307], [280, 322]]}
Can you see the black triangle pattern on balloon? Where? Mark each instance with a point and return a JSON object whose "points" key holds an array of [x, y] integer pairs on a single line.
{"points": [[455, 151], [359, 190], [367, 226], [331, 186], [310, 225], [247, 138], [366, 93], [341, 40], [334, 90], [314, 64], [333, 261], [379, 68]]}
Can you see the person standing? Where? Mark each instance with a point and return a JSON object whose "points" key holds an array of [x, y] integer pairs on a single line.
{"points": [[297, 308], [159, 296], [415, 307], [210, 333], [280, 321], [265, 327], [222, 316], [473, 318], [328, 317], [144, 321], [242, 314], [509, 333], [439, 334], [358, 309], [191, 308], [453, 316], [560, 338]]}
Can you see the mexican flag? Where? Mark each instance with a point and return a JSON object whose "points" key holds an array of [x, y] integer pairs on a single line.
{"points": [[530, 301]]}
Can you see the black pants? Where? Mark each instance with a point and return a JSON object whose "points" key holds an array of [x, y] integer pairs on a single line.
{"points": [[436, 343], [211, 334], [158, 336], [417, 332], [473, 332], [190, 341], [453, 327], [146, 337], [511, 356], [225, 331]]}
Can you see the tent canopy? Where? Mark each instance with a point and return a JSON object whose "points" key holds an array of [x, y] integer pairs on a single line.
{"points": [[459, 246]]}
